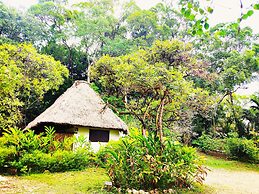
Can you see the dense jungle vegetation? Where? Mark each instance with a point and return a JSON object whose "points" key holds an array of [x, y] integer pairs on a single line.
{"points": [[169, 74]]}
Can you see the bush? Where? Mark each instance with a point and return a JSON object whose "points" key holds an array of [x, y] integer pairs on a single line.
{"points": [[28, 141], [145, 160], [102, 154], [236, 148], [243, 149], [37, 161], [26, 152], [206, 143], [6, 155], [59, 161], [66, 160]]}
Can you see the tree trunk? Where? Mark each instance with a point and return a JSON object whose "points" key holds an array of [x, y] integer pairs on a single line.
{"points": [[237, 122], [88, 73], [159, 119]]}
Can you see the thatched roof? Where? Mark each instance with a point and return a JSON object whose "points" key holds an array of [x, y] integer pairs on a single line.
{"points": [[80, 105]]}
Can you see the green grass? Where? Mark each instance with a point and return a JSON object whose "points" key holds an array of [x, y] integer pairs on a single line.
{"points": [[215, 162], [88, 181], [92, 180]]}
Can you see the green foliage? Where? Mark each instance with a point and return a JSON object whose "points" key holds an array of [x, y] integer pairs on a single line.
{"points": [[248, 14], [207, 143], [29, 152], [28, 141], [58, 161], [243, 149], [196, 15], [169, 86], [236, 148], [155, 80], [143, 24], [252, 115], [101, 155], [94, 23], [25, 77], [118, 46], [6, 154], [238, 68], [18, 27], [232, 116], [222, 163], [145, 160], [57, 24]]}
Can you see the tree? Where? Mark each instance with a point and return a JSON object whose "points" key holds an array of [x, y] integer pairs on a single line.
{"points": [[25, 76], [94, 23], [142, 25], [18, 27], [154, 84], [118, 41], [58, 25], [252, 115]]}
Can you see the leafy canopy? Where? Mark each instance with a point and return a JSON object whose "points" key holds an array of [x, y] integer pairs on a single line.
{"points": [[25, 76], [155, 83]]}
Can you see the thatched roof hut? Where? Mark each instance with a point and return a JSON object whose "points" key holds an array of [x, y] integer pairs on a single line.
{"points": [[80, 105]]}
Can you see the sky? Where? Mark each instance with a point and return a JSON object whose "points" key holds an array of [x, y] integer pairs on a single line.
{"points": [[224, 11]]}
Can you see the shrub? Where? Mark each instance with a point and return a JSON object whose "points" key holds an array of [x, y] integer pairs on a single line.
{"points": [[66, 160], [206, 143], [27, 141], [145, 160], [6, 155], [101, 155], [36, 161], [26, 152], [243, 149], [58, 161]]}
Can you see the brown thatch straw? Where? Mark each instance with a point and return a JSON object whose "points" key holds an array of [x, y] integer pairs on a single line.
{"points": [[80, 106]]}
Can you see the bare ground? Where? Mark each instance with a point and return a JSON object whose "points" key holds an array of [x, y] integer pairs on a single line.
{"points": [[15, 185], [233, 182]]}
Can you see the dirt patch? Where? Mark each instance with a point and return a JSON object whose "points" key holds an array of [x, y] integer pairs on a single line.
{"points": [[7, 185], [229, 182], [11, 185]]}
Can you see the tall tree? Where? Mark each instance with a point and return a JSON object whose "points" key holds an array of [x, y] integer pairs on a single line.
{"points": [[25, 76], [18, 27], [94, 23], [59, 35], [155, 84]]}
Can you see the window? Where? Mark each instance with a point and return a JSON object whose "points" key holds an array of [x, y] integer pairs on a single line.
{"points": [[99, 135]]}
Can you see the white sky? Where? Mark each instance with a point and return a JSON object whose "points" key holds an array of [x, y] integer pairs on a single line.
{"points": [[224, 11]]}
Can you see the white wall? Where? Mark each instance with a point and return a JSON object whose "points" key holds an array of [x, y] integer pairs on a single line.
{"points": [[84, 131]]}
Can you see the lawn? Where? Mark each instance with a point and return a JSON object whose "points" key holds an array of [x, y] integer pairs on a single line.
{"points": [[90, 180], [215, 162], [87, 181]]}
